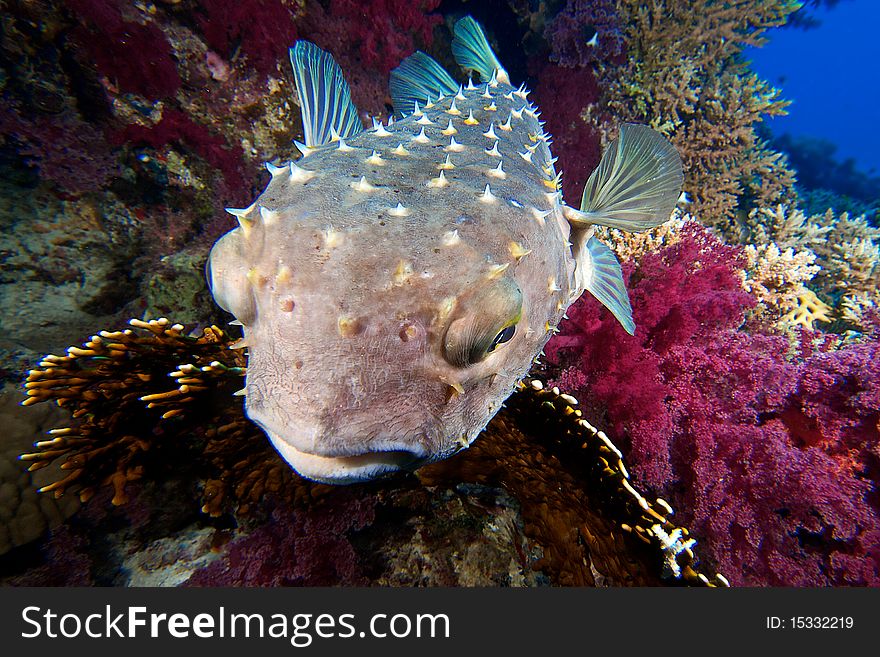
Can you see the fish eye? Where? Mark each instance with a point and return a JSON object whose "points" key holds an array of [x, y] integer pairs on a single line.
{"points": [[485, 320], [504, 336]]}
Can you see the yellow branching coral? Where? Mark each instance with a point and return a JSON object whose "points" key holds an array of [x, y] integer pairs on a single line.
{"points": [[854, 308], [776, 278], [684, 78], [785, 225], [850, 257], [632, 246], [840, 255], [810, 309]]}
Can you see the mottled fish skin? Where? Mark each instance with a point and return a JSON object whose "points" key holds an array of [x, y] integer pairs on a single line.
{"points": [[359, 257], [394, 285]]}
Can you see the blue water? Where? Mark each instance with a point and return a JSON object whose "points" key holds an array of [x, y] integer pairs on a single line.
{"points": [[830, 73]]}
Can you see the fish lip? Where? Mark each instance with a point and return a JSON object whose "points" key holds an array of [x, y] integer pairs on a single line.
{"points": [[348, 469]]}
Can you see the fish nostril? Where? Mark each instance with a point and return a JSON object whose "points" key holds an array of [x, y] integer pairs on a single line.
{"points": [[408, 332]]}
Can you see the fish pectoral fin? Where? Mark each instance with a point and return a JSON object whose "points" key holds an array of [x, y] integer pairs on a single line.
{"points": [[636, 185], [600, 274], [472, 51], [325, 98], [419, 79]]}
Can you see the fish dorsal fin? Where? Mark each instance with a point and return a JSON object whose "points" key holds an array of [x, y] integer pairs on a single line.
{"points": [[636, 185], [325, 99], [600, 274], [418, 79], [472, 51]]}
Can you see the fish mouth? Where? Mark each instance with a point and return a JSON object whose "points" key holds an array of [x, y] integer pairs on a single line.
{"points": [[348, 469]]}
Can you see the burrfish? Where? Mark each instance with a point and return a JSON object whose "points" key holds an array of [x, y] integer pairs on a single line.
{"points": [[396, 282]]}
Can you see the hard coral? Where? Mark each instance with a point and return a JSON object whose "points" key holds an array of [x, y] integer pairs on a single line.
{"points": [[575, 492], [126, 46], [845, 250], [769, 452], [105, 384], [809, 309], [684, 76], [777, 279]]}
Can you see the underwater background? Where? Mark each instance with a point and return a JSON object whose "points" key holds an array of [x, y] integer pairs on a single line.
{"points": [[748, 399]]}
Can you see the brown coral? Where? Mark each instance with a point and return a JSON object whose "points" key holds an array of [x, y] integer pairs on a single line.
{"points": [[578, 501], [685, 78], [103, 384]]}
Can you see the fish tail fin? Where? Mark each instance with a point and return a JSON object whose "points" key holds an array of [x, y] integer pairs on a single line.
{"points": [[637, 183], [472, 51]]}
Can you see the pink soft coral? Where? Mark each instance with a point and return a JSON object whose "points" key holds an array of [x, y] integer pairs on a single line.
{"points": [[768, 450]]}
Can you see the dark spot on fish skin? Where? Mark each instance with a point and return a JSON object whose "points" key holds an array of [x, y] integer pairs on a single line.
{"points": [[298, 364]]}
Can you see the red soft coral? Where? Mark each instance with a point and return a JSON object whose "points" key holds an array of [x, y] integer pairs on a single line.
{"points": [[768, 450], [178, 128], [307, 547], [134, 56], [368, 40], [564, 94], [261, 30]]}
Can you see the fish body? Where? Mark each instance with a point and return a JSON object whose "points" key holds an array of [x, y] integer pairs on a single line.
{"points": [[396, 282]]}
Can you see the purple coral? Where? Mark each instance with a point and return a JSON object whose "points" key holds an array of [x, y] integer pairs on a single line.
{"points": [[134, 56], [586, 32], [307, 547], [72, 154], [262, 30], [576, 141], [769, 452]]}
